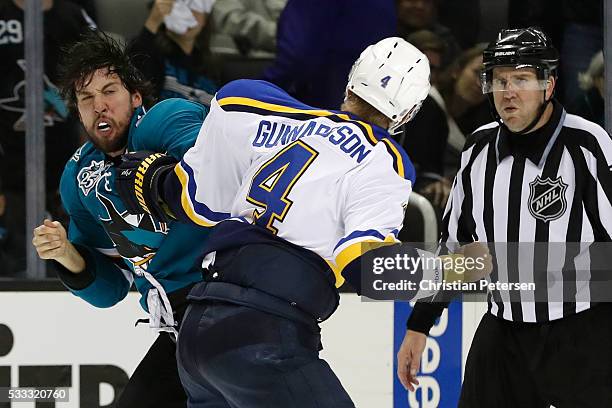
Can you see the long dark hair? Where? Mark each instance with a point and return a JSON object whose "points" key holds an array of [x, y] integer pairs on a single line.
{"points": [[98, 50]]}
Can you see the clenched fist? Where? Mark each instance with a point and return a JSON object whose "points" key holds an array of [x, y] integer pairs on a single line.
{"points": [[483, 261], [51, 242]]}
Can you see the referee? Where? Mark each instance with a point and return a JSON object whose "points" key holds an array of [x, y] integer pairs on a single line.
{"points": [[535, 175]]}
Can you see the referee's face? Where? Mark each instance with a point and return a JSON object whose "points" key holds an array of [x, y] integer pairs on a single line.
{"points": [[519, 97]]}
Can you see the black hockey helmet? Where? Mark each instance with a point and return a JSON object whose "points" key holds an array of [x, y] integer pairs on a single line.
{"points": [[521, 48]]}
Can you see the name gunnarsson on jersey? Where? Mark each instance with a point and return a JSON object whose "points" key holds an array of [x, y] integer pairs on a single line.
{"points": [[270, 133]]}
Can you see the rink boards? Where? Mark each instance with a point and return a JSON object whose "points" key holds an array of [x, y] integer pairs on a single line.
{"points": [[52, 338]]}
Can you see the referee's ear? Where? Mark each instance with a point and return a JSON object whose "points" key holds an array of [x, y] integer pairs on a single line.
{"points": [[550, 87]]}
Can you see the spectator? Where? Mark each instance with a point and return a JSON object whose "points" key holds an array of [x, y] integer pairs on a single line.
{"points": [[433, 46], [64, 22], [414, 15], [318, 41], [176, 58], [590, 104], [247, 26], [459, 85]]}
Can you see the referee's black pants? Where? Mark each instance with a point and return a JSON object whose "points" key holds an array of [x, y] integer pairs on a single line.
{"points": [[566, 363]]}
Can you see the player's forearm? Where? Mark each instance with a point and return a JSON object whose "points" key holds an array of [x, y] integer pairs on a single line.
{"points": [[101, 283], [72, 259]]}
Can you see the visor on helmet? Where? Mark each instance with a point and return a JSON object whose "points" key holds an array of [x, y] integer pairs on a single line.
{"points": [[515, 82]]}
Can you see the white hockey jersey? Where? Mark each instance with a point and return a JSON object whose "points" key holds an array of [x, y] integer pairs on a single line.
{"points": [[323, 180]]}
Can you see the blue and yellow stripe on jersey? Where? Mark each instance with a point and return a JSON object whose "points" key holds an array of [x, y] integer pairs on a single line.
{"points": [[401, 162], [196, 211], [353, 248], [264, 98]]}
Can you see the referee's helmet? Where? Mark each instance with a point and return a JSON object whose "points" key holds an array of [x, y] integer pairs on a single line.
{"points": [[522, 47]]}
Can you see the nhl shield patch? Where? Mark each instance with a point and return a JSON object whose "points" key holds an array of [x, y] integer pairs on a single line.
{"points": [[547, 198]]}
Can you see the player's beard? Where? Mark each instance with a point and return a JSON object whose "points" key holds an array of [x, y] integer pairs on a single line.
{"points": [[118, 141], [114, 145]]}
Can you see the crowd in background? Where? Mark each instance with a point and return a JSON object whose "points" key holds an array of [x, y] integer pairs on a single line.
{"points": [[189, 48]]}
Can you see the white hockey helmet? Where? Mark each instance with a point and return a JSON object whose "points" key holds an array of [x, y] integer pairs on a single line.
{"points": [[392, 76]]}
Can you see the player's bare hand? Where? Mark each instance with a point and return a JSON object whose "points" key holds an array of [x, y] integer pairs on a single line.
{"points": [[50, 240], [478, 261], [409, 358]]}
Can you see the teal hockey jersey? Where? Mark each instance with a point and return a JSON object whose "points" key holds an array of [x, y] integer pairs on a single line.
{"points": [[119, 247]]}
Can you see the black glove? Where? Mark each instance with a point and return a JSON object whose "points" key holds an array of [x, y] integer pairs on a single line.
{"points": [[137, 182]]}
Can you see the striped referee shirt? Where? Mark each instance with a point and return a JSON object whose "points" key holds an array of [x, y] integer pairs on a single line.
{"points": [[551, 186]]}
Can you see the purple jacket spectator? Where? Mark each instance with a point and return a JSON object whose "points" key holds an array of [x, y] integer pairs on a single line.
{"points": [[318, 41]]}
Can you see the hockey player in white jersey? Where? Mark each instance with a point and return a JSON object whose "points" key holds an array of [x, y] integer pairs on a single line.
{"points": [[293, 192]]}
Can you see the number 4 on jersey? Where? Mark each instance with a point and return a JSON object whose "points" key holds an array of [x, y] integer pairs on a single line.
{"points": [[274, 180], [385, 81]]}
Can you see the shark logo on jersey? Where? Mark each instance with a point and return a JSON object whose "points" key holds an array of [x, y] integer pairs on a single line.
{"points": [[547, 198], [137, 237], [90, 176]]}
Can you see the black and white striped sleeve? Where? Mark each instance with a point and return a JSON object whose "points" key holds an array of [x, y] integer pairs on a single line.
{"points": [[457, 222], [597, 153]]}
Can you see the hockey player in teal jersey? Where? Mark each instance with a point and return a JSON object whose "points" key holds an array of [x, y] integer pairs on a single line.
{"points": [[106, 249]]}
